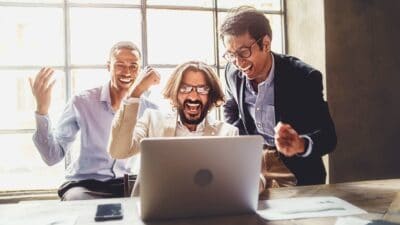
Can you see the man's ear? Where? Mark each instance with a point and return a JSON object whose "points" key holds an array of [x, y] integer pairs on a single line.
{"points": [[267, 43]]}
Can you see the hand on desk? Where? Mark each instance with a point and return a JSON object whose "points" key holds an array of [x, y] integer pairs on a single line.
{"points": [[287, 140]]}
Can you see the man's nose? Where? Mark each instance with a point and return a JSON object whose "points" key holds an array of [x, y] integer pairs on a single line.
{"points": [[126, 70], [193, 94], [238, 61]]}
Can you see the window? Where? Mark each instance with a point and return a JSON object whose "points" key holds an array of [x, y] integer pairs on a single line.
{"points": [[74, 37]]}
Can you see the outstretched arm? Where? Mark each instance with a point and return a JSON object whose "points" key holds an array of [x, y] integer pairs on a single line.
{"points": [[52, 145]]}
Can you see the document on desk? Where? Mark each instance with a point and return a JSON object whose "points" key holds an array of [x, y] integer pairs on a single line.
{"points": [[306, 207]]}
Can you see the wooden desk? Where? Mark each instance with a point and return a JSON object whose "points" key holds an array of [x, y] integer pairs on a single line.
{"points": [[373, 196]]}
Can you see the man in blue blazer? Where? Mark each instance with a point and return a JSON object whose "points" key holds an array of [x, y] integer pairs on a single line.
{"points": [[276, 96]]}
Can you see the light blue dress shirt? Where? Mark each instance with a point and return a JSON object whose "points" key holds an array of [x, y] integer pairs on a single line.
{"points": [[89, 112], [261, 105]]}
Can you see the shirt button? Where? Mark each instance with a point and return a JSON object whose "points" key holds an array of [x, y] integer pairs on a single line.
{"points": [[258, 125], [258, 109]]}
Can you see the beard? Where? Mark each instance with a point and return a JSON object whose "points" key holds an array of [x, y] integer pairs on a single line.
{"points": [[192, 121]]}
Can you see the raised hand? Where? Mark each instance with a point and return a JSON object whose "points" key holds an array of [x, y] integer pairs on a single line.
{"points": [[41, 87], [147, 78], [287, 140]]}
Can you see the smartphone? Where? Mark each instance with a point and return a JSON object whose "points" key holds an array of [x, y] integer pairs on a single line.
{"points": [[109, 212]]}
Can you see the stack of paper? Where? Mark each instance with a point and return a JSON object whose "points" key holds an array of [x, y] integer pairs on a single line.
{"points": [[307, 207]]}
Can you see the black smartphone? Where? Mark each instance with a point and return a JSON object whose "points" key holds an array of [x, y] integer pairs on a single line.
{"points": [[109, 212]]}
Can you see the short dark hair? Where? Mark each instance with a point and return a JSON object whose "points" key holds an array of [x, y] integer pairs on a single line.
{"points": [[124, 45], [246, 19], [216, 94]]}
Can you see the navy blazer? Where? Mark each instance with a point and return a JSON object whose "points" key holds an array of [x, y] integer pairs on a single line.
{"points": [[298, 102]]}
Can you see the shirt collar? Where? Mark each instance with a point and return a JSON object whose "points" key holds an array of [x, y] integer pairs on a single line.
{"points": [[270, 78], [199, 128], [271, 73], [105, 93]]}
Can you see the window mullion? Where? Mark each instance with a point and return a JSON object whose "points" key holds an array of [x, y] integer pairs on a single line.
{"points": [[67, 51], [144, 33]]}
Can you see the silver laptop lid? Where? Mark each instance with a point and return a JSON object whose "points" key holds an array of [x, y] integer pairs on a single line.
{"points": [[198, 176]]}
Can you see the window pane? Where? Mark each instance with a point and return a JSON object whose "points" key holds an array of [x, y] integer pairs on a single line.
{"points": [[92, 39], [277, 41], [178, 36], [198, 3], [21, 167], [221, 46], [20, 101], [127, 2], [83, 79], [259, 4], [31, 36]]}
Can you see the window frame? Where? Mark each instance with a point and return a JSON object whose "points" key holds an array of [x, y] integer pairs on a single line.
{"points": [[67, 66]]}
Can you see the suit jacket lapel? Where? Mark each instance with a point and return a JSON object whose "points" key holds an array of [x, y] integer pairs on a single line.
{"points": [[248, 122], [210, 129], [240, 88], [246, 118], [277, 87]]}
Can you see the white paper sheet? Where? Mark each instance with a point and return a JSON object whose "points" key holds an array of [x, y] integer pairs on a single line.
{"points": [[358, 221], [307, 207], [351, 221]]}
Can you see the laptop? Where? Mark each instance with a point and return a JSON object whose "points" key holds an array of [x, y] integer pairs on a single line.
{"points": [[199, 176]]}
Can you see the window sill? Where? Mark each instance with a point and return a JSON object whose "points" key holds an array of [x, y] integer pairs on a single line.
{"points": [[7, 197]]}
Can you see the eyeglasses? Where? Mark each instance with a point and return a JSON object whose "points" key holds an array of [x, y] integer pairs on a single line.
{"points": [[202, 90], [120, 66], [243, 52]]}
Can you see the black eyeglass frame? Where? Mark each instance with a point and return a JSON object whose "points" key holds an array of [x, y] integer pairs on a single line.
{"points": [[231, 56]]}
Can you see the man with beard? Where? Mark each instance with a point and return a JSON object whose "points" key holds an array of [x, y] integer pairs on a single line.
{"points": [[193, 90], [278, 97], [92, 174]]}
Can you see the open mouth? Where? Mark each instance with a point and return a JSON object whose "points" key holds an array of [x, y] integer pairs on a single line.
{"points": [[246, 69], [125, 80], [192, 112], [192, 107]]}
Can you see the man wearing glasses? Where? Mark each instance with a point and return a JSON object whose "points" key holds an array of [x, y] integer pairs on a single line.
{"points": [[93, 173], [278, 97]]}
